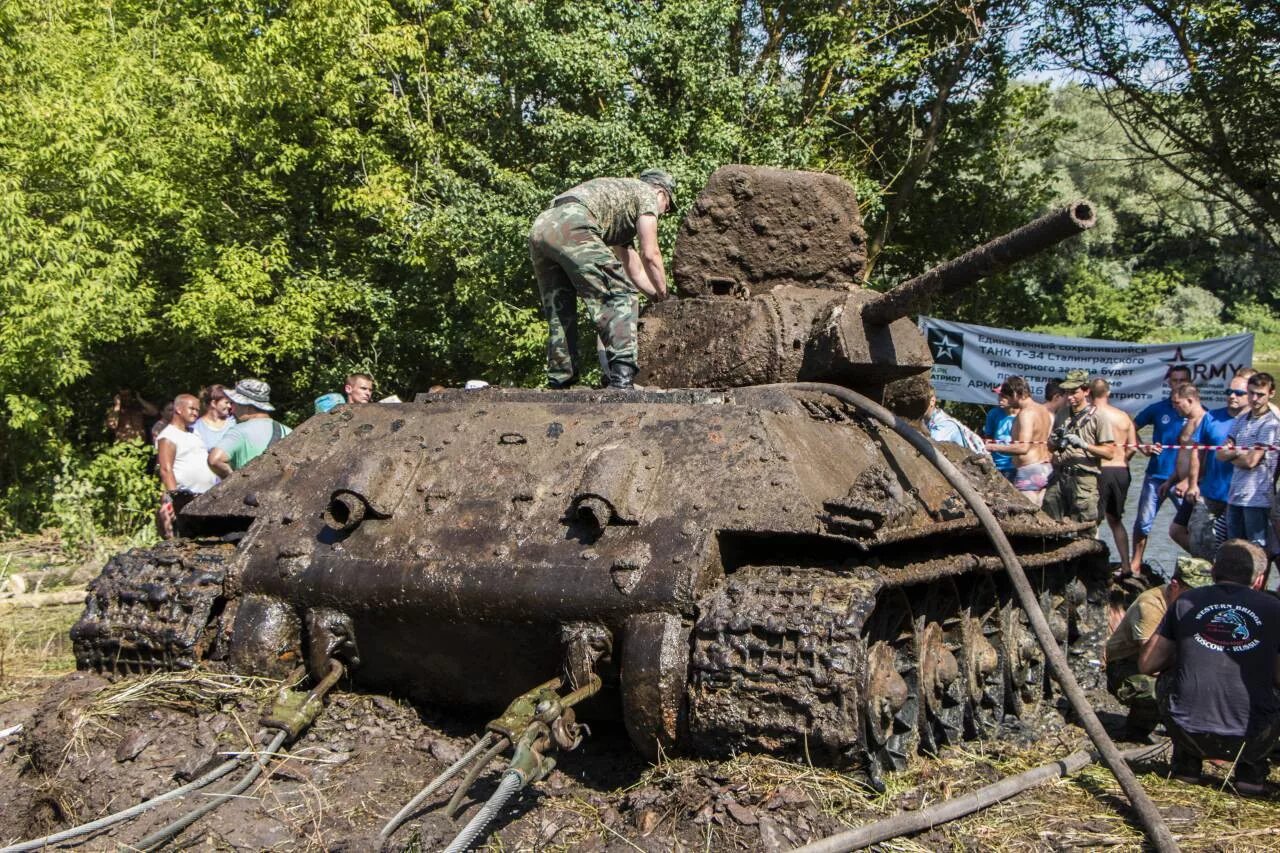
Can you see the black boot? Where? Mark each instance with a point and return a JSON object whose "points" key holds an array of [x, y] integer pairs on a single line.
{"points": [[565, 385], [621, 376]]}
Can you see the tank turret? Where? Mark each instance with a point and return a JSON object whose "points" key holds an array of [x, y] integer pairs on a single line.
{"points": [[768, 263]]}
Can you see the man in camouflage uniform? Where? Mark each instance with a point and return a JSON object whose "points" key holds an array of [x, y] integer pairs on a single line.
{"points": [[1080, 441], [584, 245], [1136, 691]]}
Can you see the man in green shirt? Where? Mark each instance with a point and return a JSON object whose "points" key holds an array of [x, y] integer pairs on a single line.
{"points": [[253, 432], [584, 245]]}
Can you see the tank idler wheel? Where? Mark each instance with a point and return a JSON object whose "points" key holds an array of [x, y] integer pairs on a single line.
{"points": [[982, 661], [891, 704], [1023, 663], [940, 638]]}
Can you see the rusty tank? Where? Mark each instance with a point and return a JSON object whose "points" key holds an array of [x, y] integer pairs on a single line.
{"points": [[743, 565]]}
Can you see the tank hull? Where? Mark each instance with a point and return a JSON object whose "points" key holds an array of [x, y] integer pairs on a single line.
{"points": [[772, 570]]}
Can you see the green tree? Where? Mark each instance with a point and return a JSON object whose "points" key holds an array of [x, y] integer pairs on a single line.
{"points": [[1193, 85]]}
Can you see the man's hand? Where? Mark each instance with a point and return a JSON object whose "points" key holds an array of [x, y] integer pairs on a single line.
{"points": [[219, 463], [1073, 440]]}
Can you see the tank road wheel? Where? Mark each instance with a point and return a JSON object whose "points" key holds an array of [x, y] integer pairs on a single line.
{"points": [[1023, 662], [982, 661], [891, 705], [939, 632]]}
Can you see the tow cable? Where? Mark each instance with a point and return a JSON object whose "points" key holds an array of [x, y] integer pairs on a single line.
{"points": [[534, 722], [292, 713]]}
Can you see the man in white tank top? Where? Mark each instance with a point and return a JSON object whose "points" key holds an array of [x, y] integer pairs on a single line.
{"points": [[182, 461]]}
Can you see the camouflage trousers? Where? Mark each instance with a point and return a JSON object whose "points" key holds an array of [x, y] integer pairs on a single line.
{"points": [[1073, 495], [1135, 691], [571, 260]]}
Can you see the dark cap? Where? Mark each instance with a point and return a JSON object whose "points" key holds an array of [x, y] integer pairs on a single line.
{"points": [[1193, 572], [1075, 379], [663, 181]]}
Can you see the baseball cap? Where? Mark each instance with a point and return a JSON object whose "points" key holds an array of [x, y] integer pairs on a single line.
{"points": [[1193, 571], [252, 392], [327, 401], [663, 180], [1075, 379]]}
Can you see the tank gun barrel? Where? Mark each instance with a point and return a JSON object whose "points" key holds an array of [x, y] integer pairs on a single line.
{"points": [[989, 258]]}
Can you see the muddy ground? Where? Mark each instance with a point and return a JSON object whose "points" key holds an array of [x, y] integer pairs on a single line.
{"points": [[91, 746]]}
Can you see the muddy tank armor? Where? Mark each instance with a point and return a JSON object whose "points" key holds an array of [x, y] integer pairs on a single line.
{"points": [[744, 567]]}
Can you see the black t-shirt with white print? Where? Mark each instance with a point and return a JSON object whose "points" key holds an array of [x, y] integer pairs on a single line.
{"points": [[1227, 637]]}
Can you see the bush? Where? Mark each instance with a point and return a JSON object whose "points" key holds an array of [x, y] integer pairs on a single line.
{"points": [[112, 494]]}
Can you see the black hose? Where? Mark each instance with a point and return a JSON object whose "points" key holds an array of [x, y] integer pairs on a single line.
{"points": [[907, 823], [1152, 820]]}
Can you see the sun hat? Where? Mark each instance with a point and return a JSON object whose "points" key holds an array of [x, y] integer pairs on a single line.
{"points": [[252, 392], [1193, 571]]}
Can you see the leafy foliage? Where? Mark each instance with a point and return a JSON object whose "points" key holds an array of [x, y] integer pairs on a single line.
{"points": [[191, 193], [1193, 85]]}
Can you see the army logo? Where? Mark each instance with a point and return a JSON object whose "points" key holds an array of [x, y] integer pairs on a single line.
{"points": [[947, 349]]}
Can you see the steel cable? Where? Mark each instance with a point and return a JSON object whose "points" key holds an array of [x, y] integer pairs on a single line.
{"points": [[511, 782], [129, 813], [159, 838], [401, 816]]}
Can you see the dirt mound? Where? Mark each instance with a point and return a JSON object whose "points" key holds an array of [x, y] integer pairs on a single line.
{"points": [[93, 747], [759, 228]]}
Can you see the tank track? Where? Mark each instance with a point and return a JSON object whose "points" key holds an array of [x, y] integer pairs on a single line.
{"points": [[844, 669], [160, 608]]}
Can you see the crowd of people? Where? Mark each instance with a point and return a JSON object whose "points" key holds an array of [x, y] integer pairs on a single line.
{"points": [[201, 440], [1199, 652]]}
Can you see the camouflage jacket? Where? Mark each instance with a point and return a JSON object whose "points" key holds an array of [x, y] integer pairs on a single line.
{"points": [[616, 204]]}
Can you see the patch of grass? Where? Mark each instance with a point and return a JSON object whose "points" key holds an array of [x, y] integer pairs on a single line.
{"points": [[39, 562], [34, 644], [192, 691], [1086, 811]]}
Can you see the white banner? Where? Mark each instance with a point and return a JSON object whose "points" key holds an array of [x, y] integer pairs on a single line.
{"points": [[971, 361]]}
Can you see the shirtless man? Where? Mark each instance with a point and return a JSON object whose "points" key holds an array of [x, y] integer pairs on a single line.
{"points": [[1113, 483], [1029, 445]]}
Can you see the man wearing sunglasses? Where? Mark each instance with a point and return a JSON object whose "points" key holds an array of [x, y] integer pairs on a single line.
{"points": [[1247, 449], [1201, 524]]}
